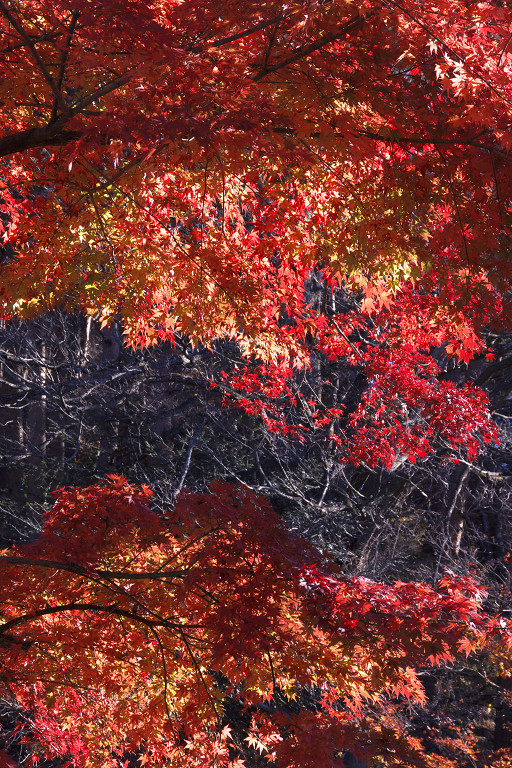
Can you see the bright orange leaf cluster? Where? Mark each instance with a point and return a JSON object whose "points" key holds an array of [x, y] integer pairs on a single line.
{"points": [[184, 165]]}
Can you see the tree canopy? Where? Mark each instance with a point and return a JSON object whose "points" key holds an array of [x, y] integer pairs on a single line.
{"points": [[185, 166]]}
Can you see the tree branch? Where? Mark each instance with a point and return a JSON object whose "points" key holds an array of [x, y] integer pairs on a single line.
{"points": [[354, 24], [117, 82], [236, 36], [80, 570], [30, 45], [65, 53], [32, 138], [111, 609], [53, 134]]}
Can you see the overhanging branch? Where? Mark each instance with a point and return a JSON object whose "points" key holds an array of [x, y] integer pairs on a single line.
{"points": [[32, 138]]}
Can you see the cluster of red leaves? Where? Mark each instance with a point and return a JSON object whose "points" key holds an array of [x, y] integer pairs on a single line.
{"points": [[124, 633], [406, 410]]}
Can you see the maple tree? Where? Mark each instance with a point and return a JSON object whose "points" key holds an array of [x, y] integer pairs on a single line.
{"points": [[191, 169], [127, 633]]}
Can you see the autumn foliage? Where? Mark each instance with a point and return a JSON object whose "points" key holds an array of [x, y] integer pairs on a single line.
{"points": [[213, 634], [185, 167], [405, 410], [189, 170]]}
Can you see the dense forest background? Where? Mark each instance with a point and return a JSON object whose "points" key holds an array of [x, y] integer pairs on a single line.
{"points": [[76, 405]]}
